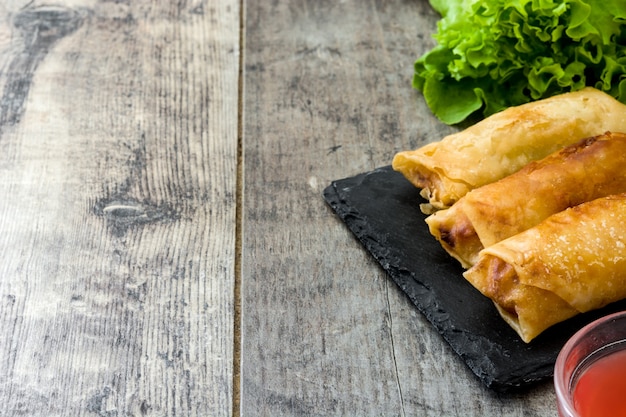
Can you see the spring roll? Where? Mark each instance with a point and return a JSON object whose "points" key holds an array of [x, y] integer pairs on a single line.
{"points": [[505, 142], [589, 169], [570, 263]]}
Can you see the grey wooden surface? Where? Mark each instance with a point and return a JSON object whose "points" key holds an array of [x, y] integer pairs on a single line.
{"points": [[164, 246], [118, 157]]}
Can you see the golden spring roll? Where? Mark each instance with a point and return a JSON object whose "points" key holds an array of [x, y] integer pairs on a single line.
{"points": [[505, 142], [572, 262], [592, 168]]}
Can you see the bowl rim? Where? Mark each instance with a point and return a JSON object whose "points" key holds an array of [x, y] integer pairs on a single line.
{"points": [[561, 382]]}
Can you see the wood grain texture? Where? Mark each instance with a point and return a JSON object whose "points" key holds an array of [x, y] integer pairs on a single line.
{"points": [[327, 95], [118, 153]]}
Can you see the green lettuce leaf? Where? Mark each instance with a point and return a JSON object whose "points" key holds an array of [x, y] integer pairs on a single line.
{"points": [[494, 54]]}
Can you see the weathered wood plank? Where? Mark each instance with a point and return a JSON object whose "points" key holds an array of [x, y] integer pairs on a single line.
{"points": [[118, 153], [327, 96]]}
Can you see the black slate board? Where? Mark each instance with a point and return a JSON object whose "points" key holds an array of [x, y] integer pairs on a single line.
{"points": [[381, 208]]}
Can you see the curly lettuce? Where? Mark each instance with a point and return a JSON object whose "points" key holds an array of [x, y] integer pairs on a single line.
{"points": [[494, 54]]}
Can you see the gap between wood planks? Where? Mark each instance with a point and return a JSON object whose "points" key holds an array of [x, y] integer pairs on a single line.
{"points": [[239, 221]]}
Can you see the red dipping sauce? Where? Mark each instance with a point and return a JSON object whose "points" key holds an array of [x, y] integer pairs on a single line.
{"points": [[601, 389], [590, 370]]}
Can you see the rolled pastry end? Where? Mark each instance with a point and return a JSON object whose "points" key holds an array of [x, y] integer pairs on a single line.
{"points": [[456, 234], [527, 309], [440, 190]]}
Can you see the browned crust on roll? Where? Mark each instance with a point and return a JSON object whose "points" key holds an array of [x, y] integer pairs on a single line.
{"points": [[528, 310], [570, 263], [506, 141], [592, 168]]}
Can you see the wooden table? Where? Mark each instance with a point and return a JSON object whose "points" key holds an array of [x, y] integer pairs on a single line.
{"points": [[166, 250]]}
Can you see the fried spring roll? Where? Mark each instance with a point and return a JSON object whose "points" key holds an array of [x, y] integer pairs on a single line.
{"points": [[572, 262], [589, 169], [505, 142]]}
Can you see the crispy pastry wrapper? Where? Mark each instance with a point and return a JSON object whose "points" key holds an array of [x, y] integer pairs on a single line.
{"points": [[572, 262], [505, 142], [592, 168]]}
